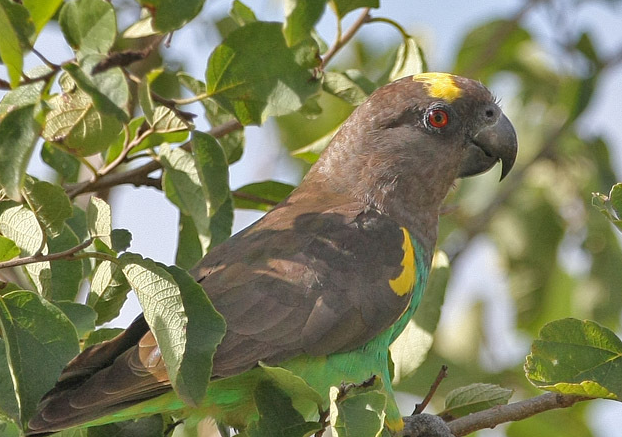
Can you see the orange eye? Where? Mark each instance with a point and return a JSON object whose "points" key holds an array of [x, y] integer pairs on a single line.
{"points": [[438, 118]]}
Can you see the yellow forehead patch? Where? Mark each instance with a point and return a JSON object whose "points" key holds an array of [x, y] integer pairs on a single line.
{"points": [[440, 86], [405, 282]]}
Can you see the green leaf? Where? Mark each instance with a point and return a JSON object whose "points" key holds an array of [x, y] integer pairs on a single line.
{"points": [[186, 345], [100, 100], [108, 293], [121, 239], [89, 26], [241, 13], [204, 331], [182, 186], [65, 164], [77, 223], [359, 412], [189, 250], [66, 275], [476, 47], [8, 249], [152, 426], [610, 206], [18, 134], [342, 7], [243, 409], [221, 223], [8, 403], [10, 48], [408, 60], [28, 94], [300, 18], [77, 126], [99, 220], [261, 195], [233, 142], [277, 416], [102, 334], [576, 357], [212, 169], [473, 398], [167, 127], [81, 316], [161, 301], [40, 340], [41, 12], [50, 204], [254, 74], [144, 94], [342, 86], [140, 29], [311, 152], [20, 225], [169, 15]]}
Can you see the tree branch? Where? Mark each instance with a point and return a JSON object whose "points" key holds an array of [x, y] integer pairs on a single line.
{"points": [[137, 176], [65, 254], [511, 412], [347, 36]]}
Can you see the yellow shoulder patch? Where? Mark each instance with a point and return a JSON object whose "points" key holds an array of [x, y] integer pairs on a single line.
{"points": [[405, 282], [440, 86]]}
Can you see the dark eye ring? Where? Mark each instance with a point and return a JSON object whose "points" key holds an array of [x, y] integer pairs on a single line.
{"points": [[438, 118]]}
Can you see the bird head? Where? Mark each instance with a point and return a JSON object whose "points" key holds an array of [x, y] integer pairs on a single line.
{"points": [[402, 149]]}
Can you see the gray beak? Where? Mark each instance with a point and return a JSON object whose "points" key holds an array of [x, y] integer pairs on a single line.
{"points": [[493, 143]]}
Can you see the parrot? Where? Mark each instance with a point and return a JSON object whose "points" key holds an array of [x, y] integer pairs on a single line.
{"points": [[324, 282]]}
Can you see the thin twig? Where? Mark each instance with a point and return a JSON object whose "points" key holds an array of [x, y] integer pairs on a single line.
{"points": [[511, 412], [442, 374], [138, 175], [65, 254], [343, 39]]}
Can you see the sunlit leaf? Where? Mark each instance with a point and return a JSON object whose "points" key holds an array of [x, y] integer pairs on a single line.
{"points": [[473, 398], [241, 13], [50, 204], [20, 225], [76, 125], [577, 357], [408, 60], [42, 12], [204, 331], [99, 220]]}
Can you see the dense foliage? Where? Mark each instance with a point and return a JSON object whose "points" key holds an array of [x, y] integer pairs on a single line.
{"points": [[114, 114]]}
